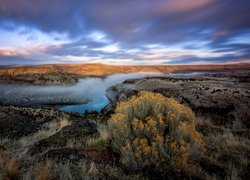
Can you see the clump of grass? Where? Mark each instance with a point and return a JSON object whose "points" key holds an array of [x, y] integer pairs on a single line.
{"points": [[9, 167], [150, 129], [47, 130], [56, 169], [101, 140], [64, 122], [43, 170], [13, 167], [229, 150], [93, 170]]}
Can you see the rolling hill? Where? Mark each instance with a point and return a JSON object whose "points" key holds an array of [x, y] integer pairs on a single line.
{"points": [[103, 70]]}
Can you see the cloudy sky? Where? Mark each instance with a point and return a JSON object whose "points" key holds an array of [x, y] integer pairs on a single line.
{"points": [[133, 32]]}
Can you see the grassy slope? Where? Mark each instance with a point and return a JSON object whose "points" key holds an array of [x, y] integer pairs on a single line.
{"points": [[102, 70]]}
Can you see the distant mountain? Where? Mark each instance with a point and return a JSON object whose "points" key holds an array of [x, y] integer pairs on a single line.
{"points": [[103, 70]]}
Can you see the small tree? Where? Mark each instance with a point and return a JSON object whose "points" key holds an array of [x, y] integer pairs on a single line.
{"points": [[150, 129]]}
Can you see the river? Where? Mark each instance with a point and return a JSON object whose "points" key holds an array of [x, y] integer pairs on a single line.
{"points": [[88, 94]]}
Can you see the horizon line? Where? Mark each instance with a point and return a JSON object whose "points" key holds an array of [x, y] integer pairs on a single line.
{"points": [[107, 64]]}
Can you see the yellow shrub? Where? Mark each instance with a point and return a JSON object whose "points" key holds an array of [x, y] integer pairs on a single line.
{"points": [[150, 129]]}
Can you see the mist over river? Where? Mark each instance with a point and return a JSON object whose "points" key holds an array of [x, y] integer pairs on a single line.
{"points": [[87, 94]]}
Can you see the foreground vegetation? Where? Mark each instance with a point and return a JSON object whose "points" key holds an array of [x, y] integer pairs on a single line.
{"points": [[151, 130], [148, 136]]}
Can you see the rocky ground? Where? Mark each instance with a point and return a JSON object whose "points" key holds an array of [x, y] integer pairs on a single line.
{"points": [[68, 141], [221, 97], [18, 122], [31, 136], [40, 79]]}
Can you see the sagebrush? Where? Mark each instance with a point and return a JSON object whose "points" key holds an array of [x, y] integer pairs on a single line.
{"points": [[150, 129]]}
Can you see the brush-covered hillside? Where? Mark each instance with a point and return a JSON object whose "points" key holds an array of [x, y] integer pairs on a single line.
{"points": [[103, 70]]}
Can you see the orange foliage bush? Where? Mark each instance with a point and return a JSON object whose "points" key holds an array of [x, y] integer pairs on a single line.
{"points": [[150, 129]]}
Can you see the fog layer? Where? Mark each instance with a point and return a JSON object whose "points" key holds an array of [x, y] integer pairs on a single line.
{"points": [[88, 94]]}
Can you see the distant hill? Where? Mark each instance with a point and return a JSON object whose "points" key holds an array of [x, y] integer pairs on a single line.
{"points": [[103, 70]]}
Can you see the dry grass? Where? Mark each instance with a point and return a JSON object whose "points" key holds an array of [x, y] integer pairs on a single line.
{"points": [[226, 150], [9, 167], [64, 122], [22, 145], [101, 140], [43, 170], [12, 167], [93, 170], [10, 163], [47, 130], [2, 159], [55, 169]]}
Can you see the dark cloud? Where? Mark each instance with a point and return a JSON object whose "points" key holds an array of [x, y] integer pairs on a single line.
{"points": [[17, 60], [133, 24]]}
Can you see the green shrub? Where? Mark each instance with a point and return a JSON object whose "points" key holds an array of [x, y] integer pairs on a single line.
{"points": [[150, 129]]}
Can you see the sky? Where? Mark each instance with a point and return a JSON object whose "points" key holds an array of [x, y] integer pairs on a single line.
{"points": [[124, 32]]}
